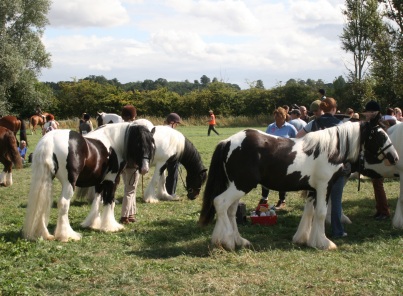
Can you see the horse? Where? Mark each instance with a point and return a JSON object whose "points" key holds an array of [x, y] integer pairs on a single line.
{"points": [[94, 160], [171, 146], [105, 118], [313, 162], [35, 120], [15, 124], [9, 156]]}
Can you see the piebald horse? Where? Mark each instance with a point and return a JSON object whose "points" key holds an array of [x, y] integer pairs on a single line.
{"points": [[94, 160], [313, 162]]}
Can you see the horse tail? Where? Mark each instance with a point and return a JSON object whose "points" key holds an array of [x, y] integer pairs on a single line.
{"points": [[23, 131], [84, 194], [217, 183], [41, 190], [11, 151]]}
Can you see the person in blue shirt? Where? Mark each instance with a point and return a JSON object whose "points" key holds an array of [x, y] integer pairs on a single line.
{"points": [[22, 149], [280, 127]]}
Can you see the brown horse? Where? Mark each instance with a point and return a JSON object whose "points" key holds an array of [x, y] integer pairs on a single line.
{"points": [[9, 155], [15, 124], [36, 120]]}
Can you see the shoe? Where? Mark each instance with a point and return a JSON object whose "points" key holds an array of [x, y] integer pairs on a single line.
{"points": [[131, 219], [124, 220], [263, 202], [280, 205], [381, 217]]}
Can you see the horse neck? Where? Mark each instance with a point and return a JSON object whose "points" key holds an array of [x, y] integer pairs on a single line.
{"points": [[190, 158]]}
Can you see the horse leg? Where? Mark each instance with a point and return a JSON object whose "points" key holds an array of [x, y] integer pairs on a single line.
{"points": [[305, 225], [344, 218], [317, 238], [6, 178], [239, 241], [162, 193], [223, 233], [149, 195], [108, 221], [93, 219], [63, 231], [398, 217]]}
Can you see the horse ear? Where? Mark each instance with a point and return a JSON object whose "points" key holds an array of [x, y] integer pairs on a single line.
{"points": [[153, 130], [98, 113]]}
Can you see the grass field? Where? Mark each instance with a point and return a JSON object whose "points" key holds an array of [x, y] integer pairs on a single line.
{"points": [[167, 253]]}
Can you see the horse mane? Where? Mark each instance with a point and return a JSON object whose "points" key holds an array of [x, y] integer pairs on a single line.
{"points": [[344, 148], [139, 143], [190, 158]]}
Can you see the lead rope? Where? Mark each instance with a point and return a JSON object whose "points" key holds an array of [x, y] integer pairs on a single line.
{"points": [[180, 175]]}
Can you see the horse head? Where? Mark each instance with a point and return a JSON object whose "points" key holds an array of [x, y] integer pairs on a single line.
{"points": [[194, 182], [100, 118], [377, 145]]}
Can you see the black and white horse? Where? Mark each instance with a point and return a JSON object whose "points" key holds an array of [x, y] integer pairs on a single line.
{"points": [[94, 160], [313, 162], [171, 146]]}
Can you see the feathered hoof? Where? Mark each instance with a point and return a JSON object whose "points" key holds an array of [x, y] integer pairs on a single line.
{"points": [[151, 200], [169, 198], [71, 237]]}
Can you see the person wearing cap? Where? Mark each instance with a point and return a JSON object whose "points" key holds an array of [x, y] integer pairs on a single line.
{"points": [[328, 109], [315, 110], [322, 94], [130, 178], [281, 128], [296, 121], [372, 109], [211, 123], [173, 119]]}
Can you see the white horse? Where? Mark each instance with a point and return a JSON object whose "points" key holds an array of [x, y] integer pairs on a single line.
{"points": [[105, 118]]}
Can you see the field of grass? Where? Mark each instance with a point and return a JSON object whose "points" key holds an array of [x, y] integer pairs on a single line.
{"points": [[167, 253]]}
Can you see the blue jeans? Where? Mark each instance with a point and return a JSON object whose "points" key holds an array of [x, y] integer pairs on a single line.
{"points": [[336, 196]]}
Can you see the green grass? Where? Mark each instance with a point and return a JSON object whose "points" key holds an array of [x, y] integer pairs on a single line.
{"points": [[166, 253]]}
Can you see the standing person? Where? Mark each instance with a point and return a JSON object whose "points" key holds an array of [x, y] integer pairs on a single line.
{"points": [[22, 149], [130, 178], [398, 114], [211, 123], [372, 109], [322, 94], [86, 125], [296, 120], [280, 127], [51, 124], [329, 108], [172, 120], [304, 115]]}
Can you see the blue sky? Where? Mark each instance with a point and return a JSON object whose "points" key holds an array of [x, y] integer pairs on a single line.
{"points": [[235, 41]]}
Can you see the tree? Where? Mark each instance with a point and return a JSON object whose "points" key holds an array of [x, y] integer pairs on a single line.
{"points": [[204, 80], [358, 37], [22, 54]]}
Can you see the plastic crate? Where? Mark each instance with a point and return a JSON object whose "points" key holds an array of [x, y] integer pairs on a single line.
{"points": [[263, 220]]}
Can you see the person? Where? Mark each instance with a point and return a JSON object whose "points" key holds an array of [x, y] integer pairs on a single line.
{"points": [[287, 109], [349, 112], [51, 124], [372, 108], [130, 178], [304, 115], [86, 126], [211, 123], [322, 94], [315, 110], [22, 149], [38, 111], [172, 120], [398, 114], [280, 127], [390, 116], [328, 109], [296, 120]]}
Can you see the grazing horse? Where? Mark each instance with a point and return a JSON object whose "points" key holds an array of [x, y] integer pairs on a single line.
{"points": [[8, 156], [94, 160], [15, 124], [171, 146], [105, 118], [36, 120], [313, 162]]}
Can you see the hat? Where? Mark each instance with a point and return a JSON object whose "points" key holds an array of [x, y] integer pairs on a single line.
{"points": [[372, 106], [315, 106], [173, 117], [210, 111], [295, 111]]}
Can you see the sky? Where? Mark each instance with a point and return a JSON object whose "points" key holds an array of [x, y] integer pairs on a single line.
{"points": [[234, 41]]}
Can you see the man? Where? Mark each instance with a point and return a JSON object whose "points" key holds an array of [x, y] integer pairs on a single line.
{"points": [[172, 120], [130, 177], [322, 94], [304, 115], [211, 123], [296, 121]]}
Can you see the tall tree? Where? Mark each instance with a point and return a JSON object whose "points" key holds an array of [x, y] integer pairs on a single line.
{"points": [[358, 37], [22, 54]]}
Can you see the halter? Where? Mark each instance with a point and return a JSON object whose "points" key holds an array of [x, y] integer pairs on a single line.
{"points": [[189, 190]]}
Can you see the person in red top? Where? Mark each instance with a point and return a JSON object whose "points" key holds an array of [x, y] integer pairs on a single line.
{"points": [[211, 123]]}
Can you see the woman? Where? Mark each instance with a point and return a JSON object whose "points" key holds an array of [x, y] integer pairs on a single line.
{"points": [[22, 149], [328, 109], [50, 124], [280, 127], [398, 114]]}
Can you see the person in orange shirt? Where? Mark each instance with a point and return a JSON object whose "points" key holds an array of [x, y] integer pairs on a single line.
{"points": [[211, 123]]}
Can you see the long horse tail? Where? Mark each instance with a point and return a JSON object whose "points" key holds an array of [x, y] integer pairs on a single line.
{"points": [[217, 183], [84, 193], [41, 191], [11, 151], [23, 131]]}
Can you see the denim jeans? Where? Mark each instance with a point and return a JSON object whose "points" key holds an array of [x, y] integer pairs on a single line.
{"points": [[336, 196]]}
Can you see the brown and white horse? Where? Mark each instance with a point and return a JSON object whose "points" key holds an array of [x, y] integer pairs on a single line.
{"points": [[9, 156], [313, 162], [94, 160]]}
